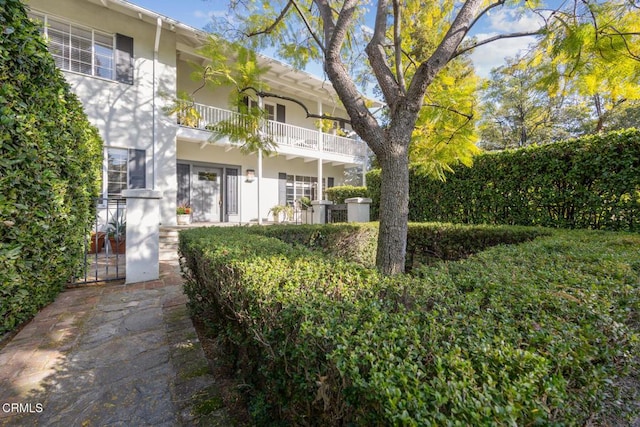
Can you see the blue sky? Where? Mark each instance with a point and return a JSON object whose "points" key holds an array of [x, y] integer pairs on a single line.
{"points": [[198, 13]]}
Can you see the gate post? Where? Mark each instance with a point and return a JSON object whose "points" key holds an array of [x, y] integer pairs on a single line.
{"points": [[358, 209], [320, 211], [143, 235]]}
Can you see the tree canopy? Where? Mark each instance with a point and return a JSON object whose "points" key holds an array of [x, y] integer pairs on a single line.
{"points": [[414, 51]]}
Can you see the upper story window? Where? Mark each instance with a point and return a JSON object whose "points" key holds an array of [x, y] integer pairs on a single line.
{"points": [[88, 51]]}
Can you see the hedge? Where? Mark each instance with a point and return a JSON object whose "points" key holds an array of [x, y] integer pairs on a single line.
{"points": [[339, 194], [591, 182], [545, 332], [50, 159]]}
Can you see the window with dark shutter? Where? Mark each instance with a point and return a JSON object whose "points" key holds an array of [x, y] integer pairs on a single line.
{"points": [[184, 184], [280, 113], [282, 188], [330, 182], [137, 169], [124, 59]]}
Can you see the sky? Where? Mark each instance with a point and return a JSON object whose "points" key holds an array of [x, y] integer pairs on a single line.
{"points": [[198, 13]]}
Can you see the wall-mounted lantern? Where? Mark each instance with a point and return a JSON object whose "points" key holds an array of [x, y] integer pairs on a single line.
{"points": [[251, 175]]}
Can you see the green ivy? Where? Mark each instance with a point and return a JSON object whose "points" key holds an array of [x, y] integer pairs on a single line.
{"points": [[50, 158], [591, 182]]}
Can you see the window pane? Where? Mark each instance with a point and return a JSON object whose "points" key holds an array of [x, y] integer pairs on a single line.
{"points": [[80, 49], [117, 159]]}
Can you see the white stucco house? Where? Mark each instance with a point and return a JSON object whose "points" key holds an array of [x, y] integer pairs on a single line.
{"points": [[122, 60]]}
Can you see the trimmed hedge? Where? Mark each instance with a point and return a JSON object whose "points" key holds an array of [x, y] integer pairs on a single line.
{"points": [[339, 194], [50, 160], [545, 332], [591, 182]]}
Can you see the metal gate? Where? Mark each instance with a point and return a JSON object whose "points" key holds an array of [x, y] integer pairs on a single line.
{"points": [[336, 213], [104, 255]]}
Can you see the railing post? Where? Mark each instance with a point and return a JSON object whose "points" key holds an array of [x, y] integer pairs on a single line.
{"points": [[358, 209], [143, 235]]}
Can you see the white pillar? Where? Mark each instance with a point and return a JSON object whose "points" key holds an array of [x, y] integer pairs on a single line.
{"points": [[358, 209], [259, 183], [365, 163], [142, 235], [319, 192], [263, 129]]}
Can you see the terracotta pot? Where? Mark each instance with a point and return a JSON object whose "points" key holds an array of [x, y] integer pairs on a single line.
{"points": [[118, 246], [96, 242]]}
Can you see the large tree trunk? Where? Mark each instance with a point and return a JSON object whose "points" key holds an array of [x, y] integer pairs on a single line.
{"points": [[394, 209]]}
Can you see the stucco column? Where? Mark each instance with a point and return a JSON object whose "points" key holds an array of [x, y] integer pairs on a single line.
{"points": [[143, 235], [358, 209], [320, 211]]}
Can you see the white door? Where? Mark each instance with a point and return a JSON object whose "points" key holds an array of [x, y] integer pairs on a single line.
{"points": [[206, 198]]}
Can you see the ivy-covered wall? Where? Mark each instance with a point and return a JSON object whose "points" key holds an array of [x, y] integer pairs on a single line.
{"points": [[591, 182], [50, 164]]}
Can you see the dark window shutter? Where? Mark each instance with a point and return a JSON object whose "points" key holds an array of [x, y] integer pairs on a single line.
{"points": [[232, 191], [137, 169], [282, 188], [280, 113], [124, 59], [330, 182], [184, 184]]}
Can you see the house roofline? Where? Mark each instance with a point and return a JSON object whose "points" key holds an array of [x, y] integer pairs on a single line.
{"points": [[310, 82]]}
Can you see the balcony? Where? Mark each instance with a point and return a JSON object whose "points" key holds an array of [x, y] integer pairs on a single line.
{"points": [[292, 141]]}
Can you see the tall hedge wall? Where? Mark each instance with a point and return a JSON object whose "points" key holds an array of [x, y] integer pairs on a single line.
{"points": [[50, 159], [591, 182]]}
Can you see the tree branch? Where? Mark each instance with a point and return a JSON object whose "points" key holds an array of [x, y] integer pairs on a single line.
{"points": [[275, 23], [427, 71], [397, 41], [264, 94], [494, 38], [451, 110], [378, 59], [306, 23]]}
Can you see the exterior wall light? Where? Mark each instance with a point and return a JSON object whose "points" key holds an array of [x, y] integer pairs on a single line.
{"points": [[251, 175]]}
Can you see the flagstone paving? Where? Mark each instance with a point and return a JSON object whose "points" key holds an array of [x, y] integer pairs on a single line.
{"points": [[116, 355]]}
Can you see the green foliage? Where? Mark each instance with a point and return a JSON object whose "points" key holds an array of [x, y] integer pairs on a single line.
{"points": [[592, 182], [339, 194], [244, 76], [50, 159], [544, 332]]}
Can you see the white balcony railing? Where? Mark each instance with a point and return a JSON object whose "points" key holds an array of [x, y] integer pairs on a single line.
{"points": [[284, 134]]}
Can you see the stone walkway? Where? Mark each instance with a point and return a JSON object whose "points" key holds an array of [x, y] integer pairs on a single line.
{"points": [[113, 355]]}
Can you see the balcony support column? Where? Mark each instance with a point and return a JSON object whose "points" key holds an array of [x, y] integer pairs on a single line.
{"points": [[259, 179], [263, 125], [319, 192]]}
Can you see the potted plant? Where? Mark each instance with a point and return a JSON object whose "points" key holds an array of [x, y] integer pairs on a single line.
{"points": [[281, 213], [117, 234], [183, 214], [96, 242]]}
